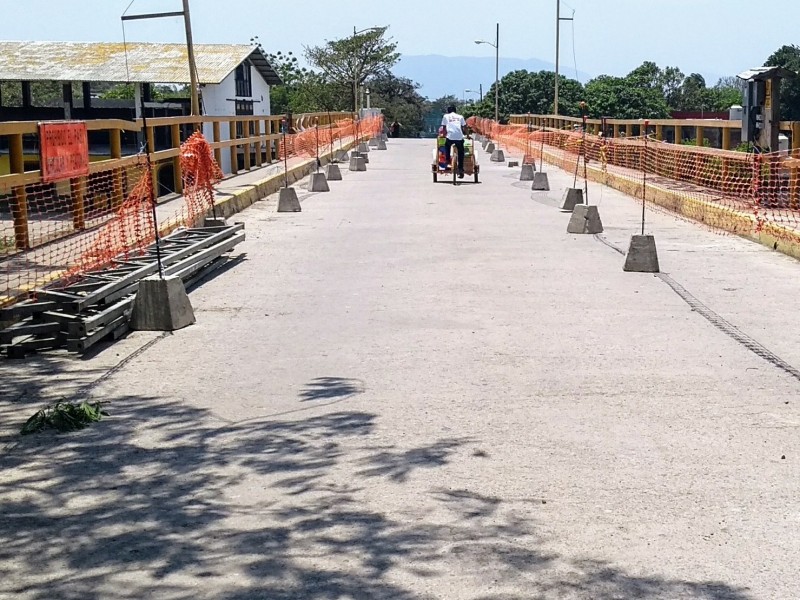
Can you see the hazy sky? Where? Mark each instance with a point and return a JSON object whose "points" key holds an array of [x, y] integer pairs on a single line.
{"points": [[713, 37]]}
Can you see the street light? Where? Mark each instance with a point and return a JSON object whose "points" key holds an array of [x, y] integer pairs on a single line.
{"points": [[480, 92], [559, 18], [355, 73], [496, 47]]}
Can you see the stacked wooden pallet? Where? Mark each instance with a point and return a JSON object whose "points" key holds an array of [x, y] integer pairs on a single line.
{"points": [[98, 306]]}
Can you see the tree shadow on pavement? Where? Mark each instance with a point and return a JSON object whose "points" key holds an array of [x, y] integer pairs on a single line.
{"points": [[329, 388], [165, 500]]}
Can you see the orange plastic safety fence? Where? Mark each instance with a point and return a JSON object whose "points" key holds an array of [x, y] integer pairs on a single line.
{"points": [[82, 224], [318, 140], [56, 232], [726, 190]]}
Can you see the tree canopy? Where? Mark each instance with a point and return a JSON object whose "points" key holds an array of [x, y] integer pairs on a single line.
{"points": [[354, 59], [788, 57]]}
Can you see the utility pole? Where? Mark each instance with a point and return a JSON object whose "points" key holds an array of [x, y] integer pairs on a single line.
{"points": [[195, 102], [497, 76], [558, 47], [192, 65]]}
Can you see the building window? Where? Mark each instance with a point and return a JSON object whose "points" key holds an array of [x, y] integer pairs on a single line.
{"points": [[243, 108], [244, 85]]}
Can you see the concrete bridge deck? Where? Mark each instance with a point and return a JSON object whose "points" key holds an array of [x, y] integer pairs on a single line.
{"points": [[414, 391]]}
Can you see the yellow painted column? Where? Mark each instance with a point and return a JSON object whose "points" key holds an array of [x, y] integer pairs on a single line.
{"points": [[117, 193], [796, 138], [258, 143], [234, 157], [699, 134], [246, 134], [678, 134], [177, 177], [77, 187], [629, 130], [19, 206], [659, 132], [216, 134], [726, 138]]}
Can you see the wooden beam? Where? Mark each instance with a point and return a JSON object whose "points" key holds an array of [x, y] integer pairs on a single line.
{"points": [[19, 205]]}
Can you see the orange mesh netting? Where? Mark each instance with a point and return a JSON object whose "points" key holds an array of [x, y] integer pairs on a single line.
{"points": [[730, 191], [55, 232]]}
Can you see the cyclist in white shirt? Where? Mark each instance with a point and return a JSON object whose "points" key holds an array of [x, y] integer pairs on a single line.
{"points": [[454, 125]]}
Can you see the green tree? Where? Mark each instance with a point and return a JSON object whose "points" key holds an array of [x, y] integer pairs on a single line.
{"points": [[618, 98], [439, 106], [399, 99], [354, 59], [528, 92], [788, 57]]}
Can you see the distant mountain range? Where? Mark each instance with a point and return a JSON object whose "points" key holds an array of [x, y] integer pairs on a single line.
{"points": [[442, 75]]}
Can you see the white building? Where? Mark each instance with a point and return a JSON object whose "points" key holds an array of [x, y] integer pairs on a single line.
{"points": [[234, 79]]}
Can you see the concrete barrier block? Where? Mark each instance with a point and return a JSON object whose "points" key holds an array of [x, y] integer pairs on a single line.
{"points": [[161, 304], [489, 147], [214, 222], [585, 219], [572, 197], [333, 173], [318, 183], [513, 163], [484, 143], [381, 145], [527, 173], [363, 148], [642, 256], [341, 156], [498, 156], [540, 182], [288, 200], [357, 163], [373, 142]]}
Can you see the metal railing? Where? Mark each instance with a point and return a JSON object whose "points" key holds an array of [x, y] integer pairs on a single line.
{"points": [[250, 141], [725, 132]]}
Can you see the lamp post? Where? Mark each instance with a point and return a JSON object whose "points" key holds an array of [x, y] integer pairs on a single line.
{"points": [[355, 72], [469, 92], [496, 47], [475, 92], [559, 18]]}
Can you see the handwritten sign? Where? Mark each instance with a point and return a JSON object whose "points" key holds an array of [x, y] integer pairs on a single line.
{"points": [[64, 150]]}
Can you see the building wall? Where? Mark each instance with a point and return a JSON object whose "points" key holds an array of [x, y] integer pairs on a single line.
{"points": [[218, 101]]}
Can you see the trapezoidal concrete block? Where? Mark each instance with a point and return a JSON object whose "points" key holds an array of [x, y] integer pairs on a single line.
{"points": [[161, 304], [642, 256], [572, 197], [489, 148], [585, 219], [381, 145], [288, 200], [333, 173], [527, 173], [540, 182], [373, 142], [214, 222], [357, 163], [484, 143], [363, 148], [318, 183], [498, 156]]}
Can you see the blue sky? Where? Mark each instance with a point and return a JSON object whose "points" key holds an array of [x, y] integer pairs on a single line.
{"points": [[713, 37]]}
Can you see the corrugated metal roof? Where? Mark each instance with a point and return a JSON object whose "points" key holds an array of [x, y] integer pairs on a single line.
{"points": [[145, 63]]}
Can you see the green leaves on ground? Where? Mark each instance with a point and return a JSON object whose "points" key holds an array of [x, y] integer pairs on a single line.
{"points": [[64, 417]]}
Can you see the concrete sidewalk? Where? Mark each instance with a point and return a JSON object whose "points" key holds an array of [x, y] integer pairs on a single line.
{"points": [[413, 390]]}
